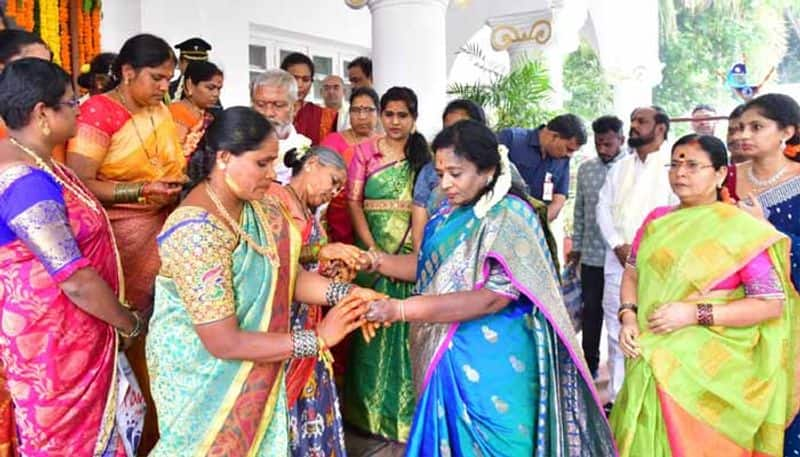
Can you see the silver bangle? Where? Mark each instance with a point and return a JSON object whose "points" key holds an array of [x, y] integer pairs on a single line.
{"points": [[304, 344], [336, 292]]}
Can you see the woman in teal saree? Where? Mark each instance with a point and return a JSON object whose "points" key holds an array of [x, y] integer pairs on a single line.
{"points": [[220, 334], [496, 364]]}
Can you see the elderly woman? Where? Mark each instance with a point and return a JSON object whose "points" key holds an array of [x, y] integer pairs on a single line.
{"points": [[61, 298], [220, 335], [497, 367], [318, 174], [709, 321]]}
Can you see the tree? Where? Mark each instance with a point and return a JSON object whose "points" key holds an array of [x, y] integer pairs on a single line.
{"points": [[514, 99], [700, 39], [591, 95]]}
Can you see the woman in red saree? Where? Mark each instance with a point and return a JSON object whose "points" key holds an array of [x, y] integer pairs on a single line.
{"points": [[60, 297], [127, 152]]}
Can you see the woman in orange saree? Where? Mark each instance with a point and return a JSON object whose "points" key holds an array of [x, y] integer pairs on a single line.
{"points": [[60, 285], [202, 85], [127, 152]]}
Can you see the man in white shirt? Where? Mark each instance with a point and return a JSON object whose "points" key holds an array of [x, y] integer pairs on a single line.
{"points": [[637, 184], [333, 96], [273, 94]]}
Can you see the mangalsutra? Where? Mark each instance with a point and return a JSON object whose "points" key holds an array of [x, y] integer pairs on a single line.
{"points": [[152, 158]]}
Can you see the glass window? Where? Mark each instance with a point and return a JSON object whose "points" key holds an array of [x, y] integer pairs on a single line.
{"points": [[258, 56], [323, 66]]}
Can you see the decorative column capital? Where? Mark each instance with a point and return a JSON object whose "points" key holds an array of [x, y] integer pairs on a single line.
{"points": [[533, 29], [376, 4], [356, 4]]}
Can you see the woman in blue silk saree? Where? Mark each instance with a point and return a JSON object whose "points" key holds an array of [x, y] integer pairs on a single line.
{"points": [[497, 367]]}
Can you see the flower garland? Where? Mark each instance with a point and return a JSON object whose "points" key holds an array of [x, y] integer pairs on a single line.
{"points": [[66, 41], [49, 27], [24, 14]]}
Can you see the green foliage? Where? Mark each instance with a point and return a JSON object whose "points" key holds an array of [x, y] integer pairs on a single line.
{"points": [[591, 95], [789, 69], [701, 39], [516, 99]]}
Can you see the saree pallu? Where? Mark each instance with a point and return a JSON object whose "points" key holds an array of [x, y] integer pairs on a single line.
{"points": [[378, 392], [206, 405], [513, 382], [141, 148], [72, 394], [708, 390]]}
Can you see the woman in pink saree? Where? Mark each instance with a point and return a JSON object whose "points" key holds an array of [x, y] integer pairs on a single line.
{"points": [[73, 392]]}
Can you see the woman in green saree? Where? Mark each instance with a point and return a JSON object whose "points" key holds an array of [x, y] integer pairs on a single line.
{"points": [[709, 323], [220, 334], [378, 391]]}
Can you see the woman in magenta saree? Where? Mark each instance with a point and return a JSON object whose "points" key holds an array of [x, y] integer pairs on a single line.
{"points": [[73, 393]]}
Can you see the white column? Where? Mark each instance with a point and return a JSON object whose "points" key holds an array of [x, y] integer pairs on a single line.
{"points": [[408, 49], [633, 86]]}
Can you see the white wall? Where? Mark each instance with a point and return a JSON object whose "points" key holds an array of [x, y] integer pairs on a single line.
{"points": [[227, 25]]}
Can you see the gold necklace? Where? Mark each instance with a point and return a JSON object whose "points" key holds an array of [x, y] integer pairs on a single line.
{"points": [[152, 158], [303, 207], [267, 251], [86, 199], [48, 168]]}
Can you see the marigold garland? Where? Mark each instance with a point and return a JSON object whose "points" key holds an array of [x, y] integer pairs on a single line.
{"points": [[51, 19], [49, 27], [66, 48]]}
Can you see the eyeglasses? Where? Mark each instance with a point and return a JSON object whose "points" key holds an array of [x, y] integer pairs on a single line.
{"points": [[72, 103], [362, 110], [691, 166], [264, 104]]}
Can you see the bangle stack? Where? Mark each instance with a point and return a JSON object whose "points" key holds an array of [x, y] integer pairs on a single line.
{"points": [[304, 344], [128, 192], [705, 314], [336, 292], [137, 327], [627, 307]]}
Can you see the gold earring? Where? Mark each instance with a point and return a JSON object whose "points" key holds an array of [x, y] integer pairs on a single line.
{"points": [[45, 128], [222, 166]]}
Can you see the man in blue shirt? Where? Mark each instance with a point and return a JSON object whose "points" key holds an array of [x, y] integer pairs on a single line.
{"points": [[542, 157]]}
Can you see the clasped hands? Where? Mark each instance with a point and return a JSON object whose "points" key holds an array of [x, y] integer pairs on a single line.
{"points": [[341, 262], [665, 319]]}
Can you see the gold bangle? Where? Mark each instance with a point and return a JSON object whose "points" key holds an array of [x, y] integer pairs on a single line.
{"points": [[127, 192], [402, 311]]}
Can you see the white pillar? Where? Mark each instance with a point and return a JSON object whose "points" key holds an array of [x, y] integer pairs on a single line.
{"points": [[633, 86], [408, 49]]}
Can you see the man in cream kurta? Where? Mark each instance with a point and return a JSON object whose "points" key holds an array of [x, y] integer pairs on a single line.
{"points": [[637, 184]]}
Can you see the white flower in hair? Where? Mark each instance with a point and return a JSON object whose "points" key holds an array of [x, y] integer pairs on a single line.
{"points": [[500, 188]]}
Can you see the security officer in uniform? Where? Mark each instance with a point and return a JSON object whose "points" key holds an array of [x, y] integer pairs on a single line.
{"points": [[191, 49]]}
